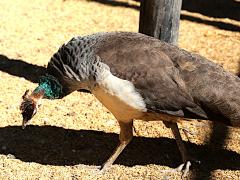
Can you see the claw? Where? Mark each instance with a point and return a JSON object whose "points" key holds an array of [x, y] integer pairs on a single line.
{"points": [[101, 170], [98, 171], [184, 168]]}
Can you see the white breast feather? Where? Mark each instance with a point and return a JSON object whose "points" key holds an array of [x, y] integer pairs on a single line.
{"points": [[124, 90]]}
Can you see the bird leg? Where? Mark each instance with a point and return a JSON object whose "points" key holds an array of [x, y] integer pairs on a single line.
{"points": [[126, 134], [186, 162], [186, 132]]}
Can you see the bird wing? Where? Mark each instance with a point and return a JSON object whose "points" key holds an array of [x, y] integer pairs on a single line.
{"points": [[154, 76]]}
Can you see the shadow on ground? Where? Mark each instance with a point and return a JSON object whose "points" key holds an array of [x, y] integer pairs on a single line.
{"points": [[212, 8], [116, 3], [217, 24], [20, 68], [51, 145]]}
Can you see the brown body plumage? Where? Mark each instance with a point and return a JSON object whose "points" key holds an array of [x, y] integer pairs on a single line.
{"points": [[139, 77], [170, 79]]}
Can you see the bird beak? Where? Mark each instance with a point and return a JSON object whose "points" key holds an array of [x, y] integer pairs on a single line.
{"points": [[27, 119], [24, 123]]}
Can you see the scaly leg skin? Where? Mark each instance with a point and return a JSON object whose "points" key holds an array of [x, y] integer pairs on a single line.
{"points": [[126, 134], [186, 162]]}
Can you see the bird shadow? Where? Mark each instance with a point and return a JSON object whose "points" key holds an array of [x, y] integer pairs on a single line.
{"points": [[50, 145], [216, 140], [20, 68]]}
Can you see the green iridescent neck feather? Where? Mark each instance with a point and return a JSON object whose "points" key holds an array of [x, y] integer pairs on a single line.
{"points": [[52, 88]]}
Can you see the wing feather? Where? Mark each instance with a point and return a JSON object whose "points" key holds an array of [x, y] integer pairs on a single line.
{"points": [[153, 74]]}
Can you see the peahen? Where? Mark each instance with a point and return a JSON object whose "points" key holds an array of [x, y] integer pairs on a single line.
{"points": [[139, 77]]}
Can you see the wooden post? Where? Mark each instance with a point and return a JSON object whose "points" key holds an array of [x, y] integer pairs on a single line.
{"points": [[160, 19]]}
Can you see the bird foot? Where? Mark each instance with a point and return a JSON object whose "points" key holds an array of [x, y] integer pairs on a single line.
{"points": [[104, 168], [101, 170], [184, 168]]}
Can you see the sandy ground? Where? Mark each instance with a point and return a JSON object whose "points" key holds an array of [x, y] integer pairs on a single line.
{"points": [[68, 137]]}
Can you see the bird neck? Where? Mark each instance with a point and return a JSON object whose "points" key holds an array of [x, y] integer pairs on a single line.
{"points": [[50, 86]]}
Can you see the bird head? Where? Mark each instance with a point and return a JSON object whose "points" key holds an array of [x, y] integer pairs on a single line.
{"points": [[30, 105]]}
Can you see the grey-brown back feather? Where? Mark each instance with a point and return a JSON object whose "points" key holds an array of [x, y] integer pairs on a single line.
{"points": [[214, 91]]}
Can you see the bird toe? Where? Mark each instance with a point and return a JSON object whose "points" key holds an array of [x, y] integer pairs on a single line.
{"points": [[184, 168]]}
